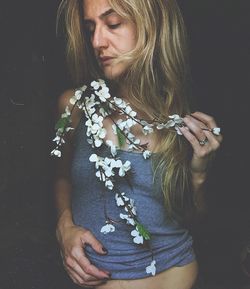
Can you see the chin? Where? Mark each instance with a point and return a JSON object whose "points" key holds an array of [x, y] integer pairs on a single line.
{"points": [[113, 72]]}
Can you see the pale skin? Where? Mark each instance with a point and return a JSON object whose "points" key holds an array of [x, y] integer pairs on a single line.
{"points": [[108, 33]]}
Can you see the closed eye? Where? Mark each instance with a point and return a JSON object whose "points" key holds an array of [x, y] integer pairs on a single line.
{"points": [[114, 26]]}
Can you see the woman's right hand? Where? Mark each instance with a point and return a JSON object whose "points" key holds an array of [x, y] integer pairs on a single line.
{"points": [[72, 240]]}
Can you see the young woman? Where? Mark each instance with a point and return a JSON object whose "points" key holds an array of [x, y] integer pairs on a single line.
{"points": [[138, 48]]}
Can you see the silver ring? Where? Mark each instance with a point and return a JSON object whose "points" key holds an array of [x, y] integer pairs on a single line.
{"points": [[204, 141]]}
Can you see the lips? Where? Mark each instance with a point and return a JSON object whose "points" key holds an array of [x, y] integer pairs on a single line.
{"points": [[105, 59]]}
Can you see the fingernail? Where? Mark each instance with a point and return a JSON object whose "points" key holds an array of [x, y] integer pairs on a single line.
{"points": [[104, 250]]}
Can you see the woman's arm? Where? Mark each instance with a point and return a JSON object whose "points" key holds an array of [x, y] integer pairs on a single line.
{"points": [[199, 189], [62, 183], [198, 131], [71, 238]]}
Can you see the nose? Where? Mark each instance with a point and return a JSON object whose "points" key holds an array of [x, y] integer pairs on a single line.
{"points": [[99, 39]]}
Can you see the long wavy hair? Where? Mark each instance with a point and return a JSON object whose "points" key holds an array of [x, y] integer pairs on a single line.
{"points": [[156, 80]]}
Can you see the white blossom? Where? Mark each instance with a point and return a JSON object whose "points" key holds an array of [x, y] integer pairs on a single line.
{"points": [[98, 119], [93, 158], [59, 140], [130, 112], [95, 85], [133, 139], [97, 160], [129, 123], [178, 130], [66, 113], [103, 94], [124, 168], [175, 120], [83, 88], [73, 100], [101, 176], [90, 141], [114, 128], [120, 199], [144, 122], [69, 128], [98, 142], [121, 124], [119, 102], [90, 104], [160, 126], [56, 153], [109, 184], [168, 124], [138, 239], [132, 147], [131, 206], [147, 129], [101, 133], [216, 130], [78, 94], [113, 148], [151, 269], [92, 129], [146, 154], [108, 228], [108, 172], [116, 163], [129, 220]]}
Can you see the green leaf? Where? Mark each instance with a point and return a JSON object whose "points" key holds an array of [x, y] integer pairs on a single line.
{"points": [[143, 231], [106, 108], [121, 137], [62, 122]]}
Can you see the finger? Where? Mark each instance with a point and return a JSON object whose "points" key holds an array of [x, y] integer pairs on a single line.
{"points": [[212, 140], [74, 277], [205, 118], [91, 240], [201, 151], [79, 281], [195, 126], [207, 121], [76, 268], [92, 270], [191, 138], [86, 267]]}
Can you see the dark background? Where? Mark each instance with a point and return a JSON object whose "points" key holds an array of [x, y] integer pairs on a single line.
{"points": [[33, 74]]}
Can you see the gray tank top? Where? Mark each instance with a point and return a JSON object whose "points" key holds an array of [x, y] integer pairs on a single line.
{"points": [[171, 244]]}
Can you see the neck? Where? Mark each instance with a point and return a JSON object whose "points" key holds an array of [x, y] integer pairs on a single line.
{"points": [[120, 90]]}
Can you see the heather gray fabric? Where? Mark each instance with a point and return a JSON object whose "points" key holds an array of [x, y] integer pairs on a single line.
{"points": [[172, 245]]}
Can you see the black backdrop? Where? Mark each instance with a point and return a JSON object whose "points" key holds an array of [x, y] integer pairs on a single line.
{"points": [[33, 74]]}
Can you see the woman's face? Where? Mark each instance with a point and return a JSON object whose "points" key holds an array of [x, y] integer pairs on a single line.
{"points": [[111, 36]]}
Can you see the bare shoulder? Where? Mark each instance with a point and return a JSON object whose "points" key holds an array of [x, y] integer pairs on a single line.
{"points": [[64, 101]]}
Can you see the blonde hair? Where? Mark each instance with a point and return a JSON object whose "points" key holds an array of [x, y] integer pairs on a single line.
{"points": [[155, 79]]}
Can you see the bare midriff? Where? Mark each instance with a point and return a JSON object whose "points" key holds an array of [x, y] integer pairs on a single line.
{"points": [[183, 277]]}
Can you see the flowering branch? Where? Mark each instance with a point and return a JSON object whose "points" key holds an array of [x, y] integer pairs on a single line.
{"points": [[96, 107]]}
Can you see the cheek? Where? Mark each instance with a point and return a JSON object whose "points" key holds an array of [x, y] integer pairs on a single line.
{"points": [[127, 41], [130, 40], [126, 46]]}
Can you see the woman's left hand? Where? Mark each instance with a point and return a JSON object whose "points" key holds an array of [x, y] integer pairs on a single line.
{"points": [[198, 130]]}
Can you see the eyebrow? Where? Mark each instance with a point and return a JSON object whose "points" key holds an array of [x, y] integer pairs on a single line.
{"points": [[104, 14]]}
